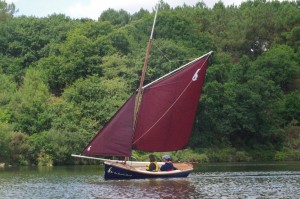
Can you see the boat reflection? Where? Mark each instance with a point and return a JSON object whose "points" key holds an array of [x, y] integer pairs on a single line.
{"points": [[149, 188]]}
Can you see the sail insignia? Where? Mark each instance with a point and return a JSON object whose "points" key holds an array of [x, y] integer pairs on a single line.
{"points": [[195, 77]]}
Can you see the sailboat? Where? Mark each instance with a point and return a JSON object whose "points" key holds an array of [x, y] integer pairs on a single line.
{"points": [[159, 117]]}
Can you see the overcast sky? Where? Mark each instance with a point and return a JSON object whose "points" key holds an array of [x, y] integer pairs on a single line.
{"points": [[93, 8]]}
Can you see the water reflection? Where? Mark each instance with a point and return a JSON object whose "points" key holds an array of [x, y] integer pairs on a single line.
{"points": [[88, 182], [151, 188]]}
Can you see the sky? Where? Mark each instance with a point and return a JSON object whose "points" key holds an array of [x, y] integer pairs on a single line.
{"points": [[93, 8]]}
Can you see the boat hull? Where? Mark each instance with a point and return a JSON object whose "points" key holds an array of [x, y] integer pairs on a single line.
{"points": [[123, 171]]}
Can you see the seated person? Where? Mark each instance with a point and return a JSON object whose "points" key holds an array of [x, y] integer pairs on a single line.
{"points": [[168, 166], [152, 166]]}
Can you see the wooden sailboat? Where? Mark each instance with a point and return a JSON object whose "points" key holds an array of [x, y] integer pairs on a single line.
{"points": [[158, 118]]}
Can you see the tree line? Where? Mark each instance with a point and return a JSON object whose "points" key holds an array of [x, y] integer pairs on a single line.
{"points": [[63, 78]]}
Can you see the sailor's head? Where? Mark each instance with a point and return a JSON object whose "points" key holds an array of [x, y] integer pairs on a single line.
{"points": [[152, 158], [166, 157]]}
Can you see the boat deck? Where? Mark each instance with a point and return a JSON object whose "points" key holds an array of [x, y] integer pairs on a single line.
{"points": [[137, 170], [141, 167]]}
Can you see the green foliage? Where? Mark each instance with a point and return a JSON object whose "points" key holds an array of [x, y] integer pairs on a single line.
{"points": [[120, 17], [29, 105], [7, 89], [290, 107], [5, 135], [18, 147], [278, 64], [53, 147], [289, 155], [291, 149], [45, 159], [190, 156], [140, 14], [97, 98], [228, 155], [6, 10], [120, 41], [168, 56], [61, 79]]}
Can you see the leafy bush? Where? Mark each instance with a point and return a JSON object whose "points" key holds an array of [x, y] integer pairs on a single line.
{"points": [[287, 155], [44, 159], [19, 146], [228, 155]]}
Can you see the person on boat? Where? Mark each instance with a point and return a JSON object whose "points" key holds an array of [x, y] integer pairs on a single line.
{"points": [[168, 166], [152, 166]]}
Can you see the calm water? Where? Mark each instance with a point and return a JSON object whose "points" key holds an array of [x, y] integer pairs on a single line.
{"points": [[269, 180]]}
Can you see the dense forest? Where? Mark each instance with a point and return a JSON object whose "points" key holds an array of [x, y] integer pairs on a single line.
{"points": [[61, 79]]}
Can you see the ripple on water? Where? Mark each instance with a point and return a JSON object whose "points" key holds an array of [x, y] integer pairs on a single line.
{"points": [[248, 184], [60, 183]]}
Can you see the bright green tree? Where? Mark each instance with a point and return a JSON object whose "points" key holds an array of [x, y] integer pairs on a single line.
{"points": [[29, 104]]}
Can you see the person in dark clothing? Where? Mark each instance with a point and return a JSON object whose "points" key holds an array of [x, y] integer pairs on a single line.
{"points": [[152, 166], [168, 166]]}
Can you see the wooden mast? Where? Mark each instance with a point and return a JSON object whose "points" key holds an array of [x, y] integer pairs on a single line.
{"points": [[139, 94]]}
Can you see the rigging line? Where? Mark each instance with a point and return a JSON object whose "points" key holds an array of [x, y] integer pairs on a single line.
{"points": [[146, 132], [165, 56], [182, 60]]}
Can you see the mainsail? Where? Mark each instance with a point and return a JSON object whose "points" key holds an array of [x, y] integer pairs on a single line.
{"points": [[168, 109], [165, 118]]}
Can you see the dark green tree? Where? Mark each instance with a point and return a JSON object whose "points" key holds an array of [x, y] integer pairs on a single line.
{"points": [[120, 17]]}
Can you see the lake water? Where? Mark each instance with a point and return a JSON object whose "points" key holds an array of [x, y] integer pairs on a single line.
{"points": [[267, 180]]}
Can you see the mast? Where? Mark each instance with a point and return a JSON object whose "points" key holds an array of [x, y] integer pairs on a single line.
{"points": [[139, 94]]}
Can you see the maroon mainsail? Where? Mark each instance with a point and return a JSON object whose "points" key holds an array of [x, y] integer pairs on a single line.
{"points": [[165, 117], [168, 108]]}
